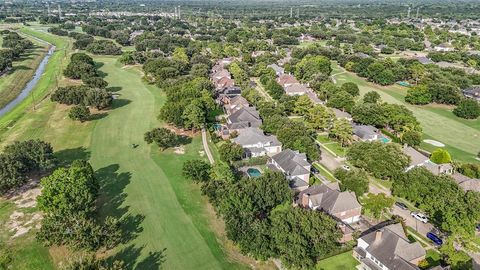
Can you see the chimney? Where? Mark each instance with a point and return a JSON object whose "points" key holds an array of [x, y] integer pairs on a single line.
{"points": [[378, 235], [305, 200]]}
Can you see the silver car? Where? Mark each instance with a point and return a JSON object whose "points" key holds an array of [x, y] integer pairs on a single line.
{"points": [[419, 216]]}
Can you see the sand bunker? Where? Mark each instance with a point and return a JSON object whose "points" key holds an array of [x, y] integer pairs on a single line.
{"points": [[434, 143]]}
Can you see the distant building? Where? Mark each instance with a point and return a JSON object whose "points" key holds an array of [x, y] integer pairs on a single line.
{"points": [[278, 69], [472, 92], [424, 60], [286, 80], [444, 47]]}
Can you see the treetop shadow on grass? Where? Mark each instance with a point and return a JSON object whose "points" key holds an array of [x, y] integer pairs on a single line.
{"points": [[67, 156], [97, 116], [183, 140], [21, 67], [118, 103], [131, 254], [112, 198], [114, 88]]}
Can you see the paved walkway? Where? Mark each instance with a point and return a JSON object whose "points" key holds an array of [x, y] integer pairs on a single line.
{"points": [[205, 146]]}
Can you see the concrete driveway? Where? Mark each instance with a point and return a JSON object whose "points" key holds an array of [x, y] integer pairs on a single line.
{"points": [[420, 227]]}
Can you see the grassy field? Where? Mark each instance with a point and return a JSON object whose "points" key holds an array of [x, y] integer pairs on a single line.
{"points": [[460, 136], [344, 261], [47, 83], [12, 83], [146, 185], [332, 145]]}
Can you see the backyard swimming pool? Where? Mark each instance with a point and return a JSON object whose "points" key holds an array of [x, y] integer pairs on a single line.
{"points": [[253, 172]]}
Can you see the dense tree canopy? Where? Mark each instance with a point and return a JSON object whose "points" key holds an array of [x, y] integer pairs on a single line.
{"points": [[382, 160]]}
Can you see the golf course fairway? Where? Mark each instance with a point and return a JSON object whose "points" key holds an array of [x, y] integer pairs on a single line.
{"points": [[166, 230]]}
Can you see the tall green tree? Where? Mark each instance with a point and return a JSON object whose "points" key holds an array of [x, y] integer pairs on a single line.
{"points": [[377, 204], [163, 137]]}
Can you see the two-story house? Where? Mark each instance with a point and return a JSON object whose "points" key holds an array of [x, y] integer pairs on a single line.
{"points": [[295, 167], [388, 248], [329, 199], [256, 143]]}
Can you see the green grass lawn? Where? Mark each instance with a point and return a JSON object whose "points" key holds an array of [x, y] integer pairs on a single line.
{"points": [[48, 82], [332, 145], [12, 83], [148, 184], [325, 172], [438, 122], [344, 261]]}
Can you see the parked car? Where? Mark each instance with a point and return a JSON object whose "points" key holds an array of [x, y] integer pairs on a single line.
{"points": [[478, 227], [434, 238], [314, 170], [346, 167], [401, 205], [419, 216]]}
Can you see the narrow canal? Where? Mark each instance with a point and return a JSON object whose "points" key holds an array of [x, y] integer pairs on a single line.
{"points": [[31, 84]]}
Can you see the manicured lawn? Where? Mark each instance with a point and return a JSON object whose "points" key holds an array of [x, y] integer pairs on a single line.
{"points": [[331, 145], [344, 261], [325, 172], [438, 122], [168, 212]]}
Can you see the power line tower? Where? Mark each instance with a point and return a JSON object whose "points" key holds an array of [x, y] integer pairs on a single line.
{"points": [[59, 12], [179, 16], [418, 11], [48, 9], [408, 14], [291, 12], [298, 12]]}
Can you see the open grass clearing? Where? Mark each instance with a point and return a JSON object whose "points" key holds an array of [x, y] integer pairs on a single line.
{"points": [[344, 261], [438, 123]]}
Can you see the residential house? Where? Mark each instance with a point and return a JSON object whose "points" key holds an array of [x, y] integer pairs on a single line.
{"points": [[219, 74], [222, 83], [278, 69], [366, 133], [388, 248], [243, 118], [286, 80], [295, 167], [418, 159], [339, 114], [466, 183], [328, 198], [296, 89], [424, 60], [257, 144], [472, 92], [362, 55], [233, 104], [444, 47], [438, 169]]}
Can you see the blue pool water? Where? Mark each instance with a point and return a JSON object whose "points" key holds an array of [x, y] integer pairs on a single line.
{"points": [[385, 140], [252, 172]]}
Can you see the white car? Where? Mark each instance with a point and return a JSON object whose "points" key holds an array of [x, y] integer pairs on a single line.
{"points": [[423, 218], [346, 167]]}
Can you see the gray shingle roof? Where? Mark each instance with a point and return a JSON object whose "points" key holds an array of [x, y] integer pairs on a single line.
{"points": [[292, 162], [416, 158], [252, 135], [365, 132], [244, 118], [330, 199], [392, 247]]}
